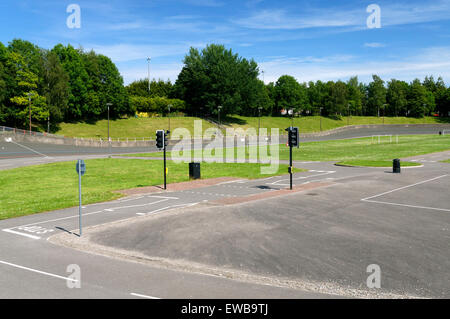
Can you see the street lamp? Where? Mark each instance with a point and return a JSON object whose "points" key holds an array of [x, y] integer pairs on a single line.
{"points": [[384, 111], [263, 76], [109, 138], [320, 116], [259, 118], [348, 114], [218, 113], [29, 102], [291, 113], [169, 106], [148, 60]]}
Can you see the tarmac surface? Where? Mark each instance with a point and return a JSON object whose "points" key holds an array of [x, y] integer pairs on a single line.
{"points": [[314, 243]]}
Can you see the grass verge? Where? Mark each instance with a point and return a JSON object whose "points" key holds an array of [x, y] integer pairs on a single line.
{"points": [[146, 127], [34, 189], [366, 163], [358, 149]]}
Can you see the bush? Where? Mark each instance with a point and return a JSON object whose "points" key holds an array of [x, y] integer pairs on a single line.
{"points": [[157, 105]]}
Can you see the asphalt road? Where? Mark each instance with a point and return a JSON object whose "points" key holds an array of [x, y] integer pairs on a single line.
{"points": [[315, 243], [12, 153]]}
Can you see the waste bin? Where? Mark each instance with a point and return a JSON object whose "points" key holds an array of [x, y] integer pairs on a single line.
{"points": [[396, 166], [194, 170]]}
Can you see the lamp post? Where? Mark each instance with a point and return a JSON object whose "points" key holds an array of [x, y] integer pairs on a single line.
{"points": [[384, 111], [109, 138], [259, 118], [320, 116], [263, 76], [169, 106], [291, 113], [29, 102], [348, 114], [148, 60], [218, 113]]}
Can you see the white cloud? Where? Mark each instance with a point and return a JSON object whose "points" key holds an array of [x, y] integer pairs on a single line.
{"points": [[131, 52], [374, 45], [165, 72], [431, 61], [391, 14]]}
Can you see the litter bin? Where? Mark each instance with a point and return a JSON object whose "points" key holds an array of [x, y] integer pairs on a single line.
{"points": [[194, 170], [396, 166]]}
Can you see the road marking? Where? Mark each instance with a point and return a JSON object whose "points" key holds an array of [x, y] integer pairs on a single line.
{"points": [[404, 187], [74, 216], [404, 205], [11, 141], [21, 234], [299, 178], [143, 296], [166, 208], [369, 199], [37, 271]]}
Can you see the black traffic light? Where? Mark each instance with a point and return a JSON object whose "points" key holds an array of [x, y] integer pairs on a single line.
{"points": [[160, 139], [293, 137]]}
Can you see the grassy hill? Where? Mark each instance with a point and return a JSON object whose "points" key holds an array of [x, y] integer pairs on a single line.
{"points": [[146, 127]]}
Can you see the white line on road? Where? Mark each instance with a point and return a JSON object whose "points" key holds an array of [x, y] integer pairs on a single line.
{"points": [[408, 186], [37, 271], [21, 234], [166, 208], [143, 296], [404, 205]]}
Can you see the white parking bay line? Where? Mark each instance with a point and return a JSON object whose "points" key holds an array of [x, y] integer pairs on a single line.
{"points": [[143, 296], [37, 271]]}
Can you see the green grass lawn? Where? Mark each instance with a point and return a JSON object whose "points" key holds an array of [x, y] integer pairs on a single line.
{"points": [[146, 127], [360, 149], [128, 128], [47, 187], [368, 163], [447, 161]]}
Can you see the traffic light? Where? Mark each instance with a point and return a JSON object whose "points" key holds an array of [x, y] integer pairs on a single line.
{"points": [[293, 137], [160, 139]]}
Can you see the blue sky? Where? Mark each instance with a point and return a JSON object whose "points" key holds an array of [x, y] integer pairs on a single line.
{"points": [[311, 40]]}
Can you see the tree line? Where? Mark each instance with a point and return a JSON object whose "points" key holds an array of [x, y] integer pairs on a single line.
{"points": [[65, 84], [61, 84]]}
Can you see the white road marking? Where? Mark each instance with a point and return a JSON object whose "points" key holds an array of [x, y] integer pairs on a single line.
{"points": [[143, 296], [21, 234], [404, 187], [76, 216], [404, 205], [369, 199], [166, 208], [11, 141], [37, 271], [299, 178]]}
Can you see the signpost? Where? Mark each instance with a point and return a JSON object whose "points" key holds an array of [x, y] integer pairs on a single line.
{"points": [[81, 170]]}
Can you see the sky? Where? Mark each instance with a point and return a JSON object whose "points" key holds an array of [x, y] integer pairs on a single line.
{"points": [[310, 40]]}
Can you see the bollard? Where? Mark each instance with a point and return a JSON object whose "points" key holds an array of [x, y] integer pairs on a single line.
{"points": [[396, 166]]}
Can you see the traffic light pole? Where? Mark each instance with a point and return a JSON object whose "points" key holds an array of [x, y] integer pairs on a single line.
{"points": [[290, 165], [165, 170]]}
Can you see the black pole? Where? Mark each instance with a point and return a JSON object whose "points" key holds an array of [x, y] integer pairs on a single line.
{"points": [[290, 164], [165, 174]]}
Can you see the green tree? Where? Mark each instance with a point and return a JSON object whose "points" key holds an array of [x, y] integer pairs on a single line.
{"points": [[376, 94], [55, 84], [289, 94], [216, 77], [354, 96], [79, 82], [419, 99], [396, 97]]}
